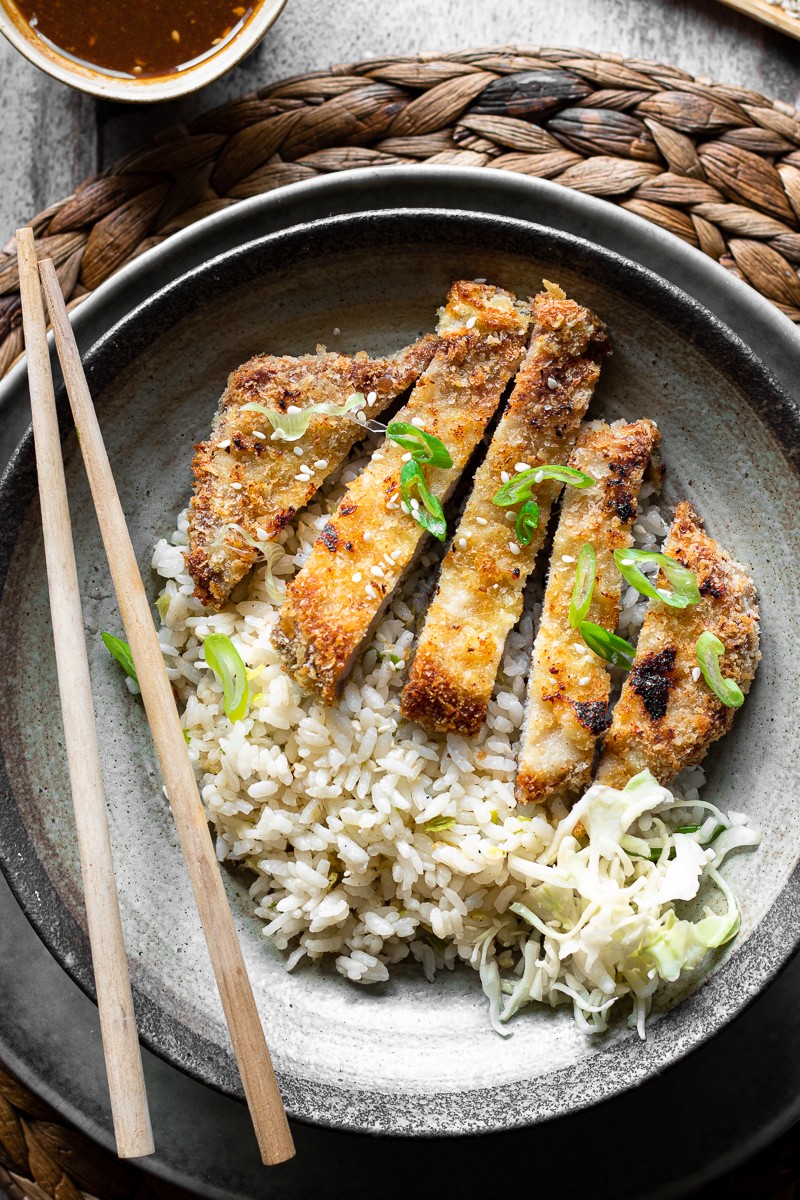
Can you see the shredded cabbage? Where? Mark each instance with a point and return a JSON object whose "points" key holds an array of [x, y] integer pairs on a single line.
{"points": [[600, 907], [269, 553]]}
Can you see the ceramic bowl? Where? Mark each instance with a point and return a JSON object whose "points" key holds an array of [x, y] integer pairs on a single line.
{"points": [[96, 82], [407, 1057]]}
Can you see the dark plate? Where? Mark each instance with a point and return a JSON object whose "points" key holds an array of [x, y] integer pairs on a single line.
{"points": [[714, 358]]}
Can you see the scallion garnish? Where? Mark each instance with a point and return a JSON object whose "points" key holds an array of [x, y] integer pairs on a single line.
{"points": [[226, 663], [613, 649], [527, 520], [583, 587], [520, 487], [429, 514], [162, 604], [709, 651], [290, 426], [121, 651], [439, 824], [424, 447], [684, 581]]}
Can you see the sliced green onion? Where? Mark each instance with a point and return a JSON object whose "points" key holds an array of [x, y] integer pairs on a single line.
{"points": [[226, 663], [121, 651], [684, 581], [610, 647], [520, 487], [162, 604], [290, 426], [583, 587], [527, 520], [270, 553], [709, 651], [424, 446], [429, 514], [187, 737], [439, 824]]}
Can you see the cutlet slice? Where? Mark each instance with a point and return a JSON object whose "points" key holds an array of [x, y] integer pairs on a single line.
{"points": [[248, 483], [334, 601], [569, 685], [667, 715], [480, 592]]}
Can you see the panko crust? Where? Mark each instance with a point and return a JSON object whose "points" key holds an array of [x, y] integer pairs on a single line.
{"points": [[666, 720], [251, 481], [569, 685], [363, 552], [480, 591]]}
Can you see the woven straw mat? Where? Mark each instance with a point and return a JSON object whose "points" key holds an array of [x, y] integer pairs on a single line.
{"points": [[718, 166]]}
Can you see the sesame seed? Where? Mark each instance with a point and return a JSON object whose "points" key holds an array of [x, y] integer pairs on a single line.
{"points": [[418, 421], [262, 533], [321, 464], [299, 451], [538, 477], [584, 679], [462, 543], [378, 572], [483, 280], [481, 521], [370, 590], [356, 577], [225, 443], [511, 517], [368, 536], [257, 433], [513, 547], [552, 383], [371, 398], [520, 467], [414, 503], [302, 478], [406, 457], [395, 555], [237, 487], [336, 331], [580, 647], [361, 416], [504, 476], [567, 558], [377, 456], [471, 322], [696, 673], [403, 505], [293, 408]]}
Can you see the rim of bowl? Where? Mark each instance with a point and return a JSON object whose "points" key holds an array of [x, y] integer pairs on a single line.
{"points": [[161, 87]]}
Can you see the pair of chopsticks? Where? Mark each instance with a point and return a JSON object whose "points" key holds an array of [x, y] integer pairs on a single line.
{"points": [[117, 1020]]}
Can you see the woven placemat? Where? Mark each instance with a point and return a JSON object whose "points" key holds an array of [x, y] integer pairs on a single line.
{"points": [[716, 165]]}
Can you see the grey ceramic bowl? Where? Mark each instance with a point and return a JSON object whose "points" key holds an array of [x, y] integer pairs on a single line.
{"points": [[407, 1057]]}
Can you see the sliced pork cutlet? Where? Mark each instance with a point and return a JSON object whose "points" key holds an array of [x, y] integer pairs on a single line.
{"points": [[249, 483], [667, 715], [480, 592], [335, 600], [569, 685]]}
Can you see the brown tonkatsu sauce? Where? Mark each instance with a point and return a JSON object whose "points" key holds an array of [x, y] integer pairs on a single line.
{"points": [[136, 38]]}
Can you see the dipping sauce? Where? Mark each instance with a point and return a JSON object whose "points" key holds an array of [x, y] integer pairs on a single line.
{"points": [[138, 39]]}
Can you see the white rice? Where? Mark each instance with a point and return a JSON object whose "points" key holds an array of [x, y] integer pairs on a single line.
{"points": [[328, 807]]}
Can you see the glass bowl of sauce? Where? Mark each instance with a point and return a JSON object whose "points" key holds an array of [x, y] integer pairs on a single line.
{"points": [[136, 49]]}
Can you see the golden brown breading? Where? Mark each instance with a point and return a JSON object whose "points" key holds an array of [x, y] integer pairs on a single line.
{"points": [[364, 550], [666, 719], [569, 685], [479, 597], [245, 477]]}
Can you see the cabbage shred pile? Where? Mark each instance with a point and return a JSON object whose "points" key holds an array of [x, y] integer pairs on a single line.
{"points": [[601, 906]]}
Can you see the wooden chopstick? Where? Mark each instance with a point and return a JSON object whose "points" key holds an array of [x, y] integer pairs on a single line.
{"points": [[129, 1109], [247, 1036]]}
